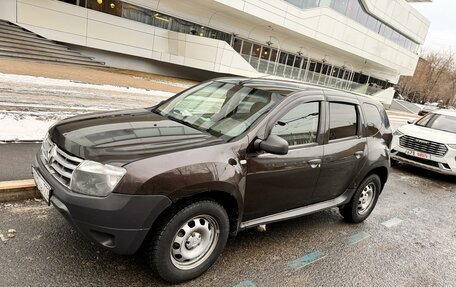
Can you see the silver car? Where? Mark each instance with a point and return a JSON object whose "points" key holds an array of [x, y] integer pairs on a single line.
{"points": [[429, 142]]}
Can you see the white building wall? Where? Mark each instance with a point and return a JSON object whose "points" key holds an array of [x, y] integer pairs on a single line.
{"points": [[401, 15], [321, 32], [68, 23], [8, 10]]}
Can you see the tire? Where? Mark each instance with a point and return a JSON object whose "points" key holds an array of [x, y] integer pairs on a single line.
{"points": [[363, 201], [188, 241]]}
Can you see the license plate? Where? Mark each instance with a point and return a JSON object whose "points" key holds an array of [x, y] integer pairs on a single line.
{"points": [[418, 154], [42, 185]]}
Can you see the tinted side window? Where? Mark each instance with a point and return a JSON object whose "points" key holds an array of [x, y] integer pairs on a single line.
{"points": [[373, 119], [343, 121], [299, 125]]}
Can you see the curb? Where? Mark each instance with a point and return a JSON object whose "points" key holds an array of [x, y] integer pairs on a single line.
{"points": [[18, 190]]}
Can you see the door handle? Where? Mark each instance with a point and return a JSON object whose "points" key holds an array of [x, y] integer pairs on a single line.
{"points": [[359, 154], [314, 163]]}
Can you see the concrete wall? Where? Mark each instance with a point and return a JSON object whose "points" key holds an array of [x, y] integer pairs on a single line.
{"points": [[122, 61], [8, 10]]}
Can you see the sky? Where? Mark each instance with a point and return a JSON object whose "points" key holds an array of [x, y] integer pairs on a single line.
{"points": [[442, 33]]}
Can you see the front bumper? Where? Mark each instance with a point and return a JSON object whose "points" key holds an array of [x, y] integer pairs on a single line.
{"points": [[443, 165], [117, 222]]}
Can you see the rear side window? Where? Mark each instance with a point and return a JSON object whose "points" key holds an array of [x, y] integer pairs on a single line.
{"points": [[373, 119], [343, 121]]}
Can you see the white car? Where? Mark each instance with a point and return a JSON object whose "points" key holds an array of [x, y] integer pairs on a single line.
{"points": [[429, 143]]}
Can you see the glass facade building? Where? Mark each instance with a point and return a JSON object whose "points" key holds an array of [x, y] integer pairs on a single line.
{"points": [[355, 10], [150, 17], [261, 56]]}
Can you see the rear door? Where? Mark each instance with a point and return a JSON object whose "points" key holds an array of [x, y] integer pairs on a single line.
{"points": [[344, 151]]}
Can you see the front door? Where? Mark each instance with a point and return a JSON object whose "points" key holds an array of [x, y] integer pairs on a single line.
{"points": [[276, 183]]}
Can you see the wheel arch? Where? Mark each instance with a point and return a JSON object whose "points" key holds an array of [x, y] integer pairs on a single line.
{"points": [[228, 200], [382, 172]]}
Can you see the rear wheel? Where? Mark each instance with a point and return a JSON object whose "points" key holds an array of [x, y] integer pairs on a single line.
{"points": [[188, 241], [363, 201]]}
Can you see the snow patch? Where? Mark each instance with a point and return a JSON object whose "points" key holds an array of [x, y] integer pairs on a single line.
{"points": [[41, 81], [30, 105]]}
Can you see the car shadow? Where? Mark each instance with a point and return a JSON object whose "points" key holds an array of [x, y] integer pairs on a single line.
{"points": [[424, 173]]}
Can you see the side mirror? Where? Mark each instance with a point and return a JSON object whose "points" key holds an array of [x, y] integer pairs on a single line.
{"points": [[273, 144], [411, 122]]}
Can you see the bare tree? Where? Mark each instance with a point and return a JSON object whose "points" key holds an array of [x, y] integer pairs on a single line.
{"points": [[434, 79]]}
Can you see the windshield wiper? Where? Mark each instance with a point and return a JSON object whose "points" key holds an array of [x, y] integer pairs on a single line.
{"points": [[181, 121]]}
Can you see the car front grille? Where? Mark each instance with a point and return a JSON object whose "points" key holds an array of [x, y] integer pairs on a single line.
{"points": [[434, 148], [60, 164]]}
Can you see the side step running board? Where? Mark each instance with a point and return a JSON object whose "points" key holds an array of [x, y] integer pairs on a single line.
{"points": [[298, 212]]}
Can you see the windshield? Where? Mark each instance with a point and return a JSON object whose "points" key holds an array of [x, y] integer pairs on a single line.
{"points": [[224, 110], [439, 122]]}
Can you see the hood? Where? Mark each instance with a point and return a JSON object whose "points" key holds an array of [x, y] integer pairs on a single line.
{"points": [[122, 137], [428, 134]]}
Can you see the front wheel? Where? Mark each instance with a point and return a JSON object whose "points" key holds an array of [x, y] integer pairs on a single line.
{"points": [[188, 241], [363, 201]]}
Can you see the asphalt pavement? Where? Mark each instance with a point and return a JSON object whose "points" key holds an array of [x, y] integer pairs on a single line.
{"points": [[16, 159], [409, 240]]}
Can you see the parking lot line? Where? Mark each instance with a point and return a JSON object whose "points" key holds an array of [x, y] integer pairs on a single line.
{"points": [[246, 283], [392, 222], [357, 237], [305, 260]]}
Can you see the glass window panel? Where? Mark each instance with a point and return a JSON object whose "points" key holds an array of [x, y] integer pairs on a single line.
{"points": [[237, 45], [388, 32], [373, 119], [113, 7], [136, 14], [246, 48], [372, 23], [362, 17], [300, 125], [290, 60], [298, 3], [343, 121], [297, 62], [273, 55], [265, 54], [340, 5], [256, 51], [352, 9], [161, 21], [283, 58]]}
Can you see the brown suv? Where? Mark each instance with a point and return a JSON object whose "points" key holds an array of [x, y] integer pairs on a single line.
{"points": [[220, 157]]}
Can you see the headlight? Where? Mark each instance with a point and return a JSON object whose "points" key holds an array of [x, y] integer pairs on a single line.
{"points": [[453, 146], [398, 133], [96, 179]]}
